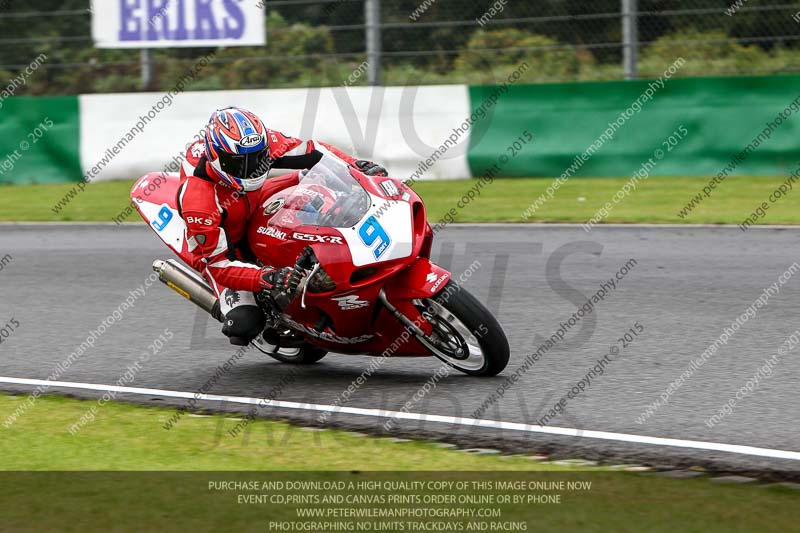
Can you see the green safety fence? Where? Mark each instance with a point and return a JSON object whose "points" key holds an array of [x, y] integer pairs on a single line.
{"points": [[40, 140], [700, 124]]}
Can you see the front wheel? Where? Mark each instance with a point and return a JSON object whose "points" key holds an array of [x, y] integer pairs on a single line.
{"points": [[465, 335]]}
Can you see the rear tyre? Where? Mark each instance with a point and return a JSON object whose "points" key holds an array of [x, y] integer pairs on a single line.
{"points": [[466, 335], [299, 356], [302, 355]]}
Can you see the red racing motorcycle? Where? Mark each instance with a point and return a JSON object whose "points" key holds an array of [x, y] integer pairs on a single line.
{"points": [[362, 278]]}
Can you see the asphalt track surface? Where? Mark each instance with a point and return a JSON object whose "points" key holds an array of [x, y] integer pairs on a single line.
{"points": [[687, 285]]}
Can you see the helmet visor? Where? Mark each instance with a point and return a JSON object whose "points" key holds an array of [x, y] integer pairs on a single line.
{"points": [[245, 166]]}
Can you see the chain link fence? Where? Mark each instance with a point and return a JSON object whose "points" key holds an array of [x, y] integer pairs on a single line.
{"points": [[325, 43]]}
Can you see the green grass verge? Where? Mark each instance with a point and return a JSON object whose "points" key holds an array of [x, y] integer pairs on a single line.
{"points": [[658, 200], [128, 437]]}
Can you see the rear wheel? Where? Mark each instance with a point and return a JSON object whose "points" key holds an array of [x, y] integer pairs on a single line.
{"points": [[301, 355], [465, 335]]}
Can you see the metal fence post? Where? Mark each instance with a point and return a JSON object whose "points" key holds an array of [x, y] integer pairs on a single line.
{"points": [[146, 61], [630, 38], [372, 17]]}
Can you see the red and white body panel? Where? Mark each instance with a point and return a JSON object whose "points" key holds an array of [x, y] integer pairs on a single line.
{"points": [[355, 320]]}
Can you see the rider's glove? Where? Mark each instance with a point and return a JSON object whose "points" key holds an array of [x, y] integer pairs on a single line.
{"points": [[370, 169], [276, 283]]}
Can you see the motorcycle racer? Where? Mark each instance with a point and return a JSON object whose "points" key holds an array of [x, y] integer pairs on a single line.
{"points": [[223, 182]]}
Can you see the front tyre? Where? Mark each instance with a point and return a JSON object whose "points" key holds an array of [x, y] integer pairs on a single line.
{"points": [[466, 335]]}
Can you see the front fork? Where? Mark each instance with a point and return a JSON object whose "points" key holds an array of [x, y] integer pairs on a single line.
{"points": [[420, 281], [413, 327]]}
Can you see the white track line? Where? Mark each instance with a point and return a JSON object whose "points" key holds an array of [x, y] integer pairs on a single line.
{"points": [[492, 424]]}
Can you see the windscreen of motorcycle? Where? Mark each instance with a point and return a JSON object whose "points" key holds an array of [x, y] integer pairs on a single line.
{"points": [[375, 229], [327, 195]]}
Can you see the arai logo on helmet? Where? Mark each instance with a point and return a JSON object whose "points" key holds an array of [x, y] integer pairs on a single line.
{"points": [[250, 140]]}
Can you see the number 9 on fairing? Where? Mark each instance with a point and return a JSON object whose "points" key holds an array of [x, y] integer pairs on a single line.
{"points": [[164, 216], [371, 232]]}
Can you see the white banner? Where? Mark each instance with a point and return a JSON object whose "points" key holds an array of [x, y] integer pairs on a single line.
{"points": [[177, 23], [398, 127]]}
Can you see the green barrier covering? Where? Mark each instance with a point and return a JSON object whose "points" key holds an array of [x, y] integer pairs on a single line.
{"points": [[39, 140], [700, 124]]}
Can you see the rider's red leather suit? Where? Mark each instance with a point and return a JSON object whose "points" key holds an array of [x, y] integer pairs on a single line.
{"points": [[216, 216]]}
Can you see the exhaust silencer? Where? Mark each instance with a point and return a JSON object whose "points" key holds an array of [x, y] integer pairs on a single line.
{"points": [[189, 285]]}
